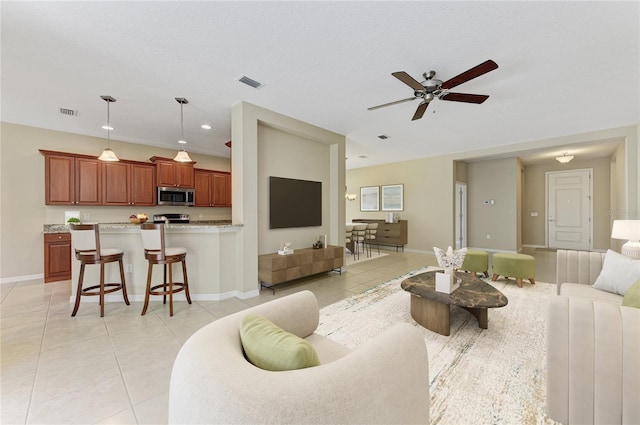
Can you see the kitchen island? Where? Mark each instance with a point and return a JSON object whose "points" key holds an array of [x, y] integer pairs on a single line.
{"points": [[211, 259]]}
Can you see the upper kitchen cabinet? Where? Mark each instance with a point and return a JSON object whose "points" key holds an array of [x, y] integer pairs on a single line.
{"points": [[72, 179], [128, 183], [221, 189], [213, 188], [170, 173]]}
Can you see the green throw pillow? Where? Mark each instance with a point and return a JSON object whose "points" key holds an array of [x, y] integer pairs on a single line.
{"points": [[632, 296], [269, 347]]}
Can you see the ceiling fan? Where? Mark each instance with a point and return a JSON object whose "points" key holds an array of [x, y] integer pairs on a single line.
{"points": [[431, 88]]}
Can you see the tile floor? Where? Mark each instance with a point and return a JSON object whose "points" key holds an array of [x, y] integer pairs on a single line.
{"points": [[58, 369]]}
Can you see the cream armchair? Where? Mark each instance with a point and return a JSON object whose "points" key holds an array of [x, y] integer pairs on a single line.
{"points": [[383, 381]]}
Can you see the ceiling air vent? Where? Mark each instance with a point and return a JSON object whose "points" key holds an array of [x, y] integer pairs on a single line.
{"points": [[250, 82], [68, 112]]}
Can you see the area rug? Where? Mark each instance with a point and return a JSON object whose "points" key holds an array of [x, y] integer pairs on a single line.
{"points": [[477, 376]]}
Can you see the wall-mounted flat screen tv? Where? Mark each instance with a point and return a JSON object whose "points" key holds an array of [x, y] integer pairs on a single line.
{"points": [[294, 203]]}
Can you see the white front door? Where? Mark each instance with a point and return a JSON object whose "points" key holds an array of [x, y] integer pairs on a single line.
{"points": [[569, 209], [461, 215]]}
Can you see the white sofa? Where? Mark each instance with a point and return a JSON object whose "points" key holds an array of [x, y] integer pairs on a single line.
{"points": [[383, 381], [593, 348], [576, 271]]}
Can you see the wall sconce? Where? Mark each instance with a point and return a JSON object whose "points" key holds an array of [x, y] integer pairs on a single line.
{"points": [[564, 158], [629, 230], [349, 196]]}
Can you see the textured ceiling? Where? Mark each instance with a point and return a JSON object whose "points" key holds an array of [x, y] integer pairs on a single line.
{"points": [[565, 68]]}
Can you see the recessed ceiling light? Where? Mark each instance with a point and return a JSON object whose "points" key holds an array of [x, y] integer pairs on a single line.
{"points": [[363, 156], [206, 126], [383, 137]]}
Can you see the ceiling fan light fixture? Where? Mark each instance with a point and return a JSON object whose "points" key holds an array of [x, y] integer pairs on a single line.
{"points": [[107, 154], [564, 158], [182, 155]]}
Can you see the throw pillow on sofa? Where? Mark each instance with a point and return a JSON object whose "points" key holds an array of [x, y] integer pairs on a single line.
{"points": [[269, 347], [632, 296], [618, 273]]}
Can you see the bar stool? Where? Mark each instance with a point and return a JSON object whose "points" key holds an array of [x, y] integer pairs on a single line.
{"points": [[86, 241], [370, 236], [156, 253], [359, 232]]}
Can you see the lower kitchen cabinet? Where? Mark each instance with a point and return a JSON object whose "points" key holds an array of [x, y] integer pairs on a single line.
{"points": [[57, 257]]}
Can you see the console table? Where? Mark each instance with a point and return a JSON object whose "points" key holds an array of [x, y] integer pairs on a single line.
{"points": [[394, 234], [274, 269]]}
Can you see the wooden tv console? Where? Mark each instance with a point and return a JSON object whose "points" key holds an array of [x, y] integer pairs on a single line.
{"points": [[274, 269]]}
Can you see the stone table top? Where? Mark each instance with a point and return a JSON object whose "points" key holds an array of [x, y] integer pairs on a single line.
{"points": [[472, 293], [194, 225]]}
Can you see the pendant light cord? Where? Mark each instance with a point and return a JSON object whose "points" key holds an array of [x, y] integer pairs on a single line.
{"points": [[108, 126], [182, 125]]}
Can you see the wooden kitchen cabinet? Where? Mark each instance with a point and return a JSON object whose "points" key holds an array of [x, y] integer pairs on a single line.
{"points": [[213, 188], [170, 173], [221, 189], [128, 183], [72, 179], [57, 257]]}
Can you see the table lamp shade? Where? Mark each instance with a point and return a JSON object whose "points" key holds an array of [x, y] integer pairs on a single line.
{"points": [[628, 230]]}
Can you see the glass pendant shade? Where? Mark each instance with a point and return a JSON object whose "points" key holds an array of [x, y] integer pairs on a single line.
{"points": [[182, 155], [107, 154]]}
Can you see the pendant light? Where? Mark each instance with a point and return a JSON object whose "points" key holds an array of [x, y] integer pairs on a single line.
{"points": [[108, 154], [182, 155]]}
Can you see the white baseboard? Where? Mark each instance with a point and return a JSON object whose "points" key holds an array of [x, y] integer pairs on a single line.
{"points": [[21, 278]]}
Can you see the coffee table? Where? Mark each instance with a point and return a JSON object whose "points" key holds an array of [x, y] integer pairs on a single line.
{"points": [[432, 309]]}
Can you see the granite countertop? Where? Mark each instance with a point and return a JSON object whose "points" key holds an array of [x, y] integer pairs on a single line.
{"points": [[194, 224]]}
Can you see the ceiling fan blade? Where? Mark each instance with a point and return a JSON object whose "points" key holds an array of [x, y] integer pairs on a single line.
{"points": [[420, 111], [470, 74], [391, 103], [408, 80], [465, 97]]}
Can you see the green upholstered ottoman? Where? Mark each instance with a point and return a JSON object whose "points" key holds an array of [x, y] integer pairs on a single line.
{"points": [[476, 261], [520, 266]]}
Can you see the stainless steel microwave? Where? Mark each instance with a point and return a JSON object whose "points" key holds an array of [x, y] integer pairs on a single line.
{"points": [[176, 196]]}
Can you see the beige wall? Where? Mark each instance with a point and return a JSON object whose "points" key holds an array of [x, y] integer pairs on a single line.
{"points": [[428, 198], [429, 203], [247, 180], [535, 200], [23, 212], [493, 226], [274, 159]]}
